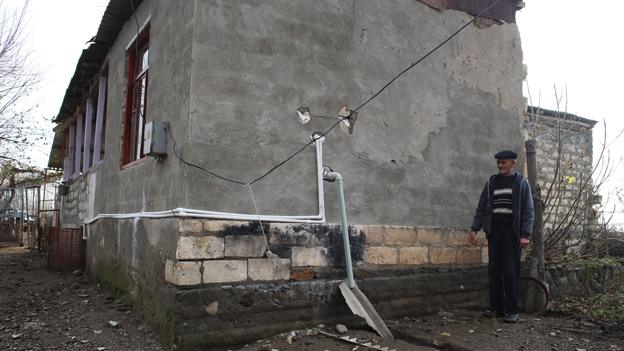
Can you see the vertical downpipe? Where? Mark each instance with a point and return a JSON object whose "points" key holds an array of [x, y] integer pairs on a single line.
{"points": [[345, 232]]}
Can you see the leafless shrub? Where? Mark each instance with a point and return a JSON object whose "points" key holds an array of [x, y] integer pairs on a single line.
{"points": [[17, 81]]}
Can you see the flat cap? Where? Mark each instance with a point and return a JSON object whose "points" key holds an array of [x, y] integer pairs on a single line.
{"points": [[506, 155]]}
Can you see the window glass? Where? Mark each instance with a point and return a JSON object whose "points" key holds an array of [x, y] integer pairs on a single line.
{"points": [[136, 100]]}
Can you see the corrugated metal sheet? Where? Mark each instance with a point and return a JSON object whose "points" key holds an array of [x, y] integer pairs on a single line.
{"points": [[117, 13], [505, 10], [563, 115]]}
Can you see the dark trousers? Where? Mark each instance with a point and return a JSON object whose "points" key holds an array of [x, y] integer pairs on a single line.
{"points": [[503, 268]]}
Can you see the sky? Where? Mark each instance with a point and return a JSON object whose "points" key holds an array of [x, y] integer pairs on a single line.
{"points": [[567, 44], [54, 35], [577, 46]]}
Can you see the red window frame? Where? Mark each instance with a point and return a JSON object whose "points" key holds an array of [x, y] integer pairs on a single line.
{"points": [[136, 98]]}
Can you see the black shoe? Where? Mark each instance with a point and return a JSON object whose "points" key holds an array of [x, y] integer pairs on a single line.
{"points": [[493, 314], [511, 318]]}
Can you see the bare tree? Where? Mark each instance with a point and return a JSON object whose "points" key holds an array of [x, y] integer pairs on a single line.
{"points": [[17, 81], [570, 192]]}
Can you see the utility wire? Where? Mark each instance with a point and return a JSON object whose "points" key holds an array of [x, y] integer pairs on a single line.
{"points": [[239, 182], [175, 152], [424, 57], [335, 124], [359, 107], [296, 153], [268, 251]]}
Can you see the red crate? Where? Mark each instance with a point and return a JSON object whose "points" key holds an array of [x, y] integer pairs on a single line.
{"points": [[67, 250]]}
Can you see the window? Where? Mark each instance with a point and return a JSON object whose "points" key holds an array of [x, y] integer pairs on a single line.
{"points": [[83, 137], [136, 98], [80, 118], [68, 142], [99, 130]]}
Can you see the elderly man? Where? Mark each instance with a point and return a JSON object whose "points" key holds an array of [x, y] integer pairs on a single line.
{"points": [[505, 212]]}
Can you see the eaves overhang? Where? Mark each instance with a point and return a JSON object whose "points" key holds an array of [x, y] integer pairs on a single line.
{"points": [[117, 13]]}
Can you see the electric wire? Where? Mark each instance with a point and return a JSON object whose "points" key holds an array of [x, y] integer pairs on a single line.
{"points": [[356, 110], [424, 57], [268, 252], [314, 139], [296, 153], [239, 182], [190, 164]]}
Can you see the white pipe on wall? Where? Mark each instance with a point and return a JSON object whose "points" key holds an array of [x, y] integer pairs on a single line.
{"points": [[194, 213]]}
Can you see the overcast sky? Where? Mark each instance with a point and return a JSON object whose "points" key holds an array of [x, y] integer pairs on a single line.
{"points": [[577, 45], [571, 44], [55, 33]]}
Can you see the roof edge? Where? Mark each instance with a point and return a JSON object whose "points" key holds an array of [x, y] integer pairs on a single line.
{"points": [[117, 13], [558, 114]]}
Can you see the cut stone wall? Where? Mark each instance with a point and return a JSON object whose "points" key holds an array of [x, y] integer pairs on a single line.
{"points": [[209, 252], [562, 173], [77, 205], [173, 269]]}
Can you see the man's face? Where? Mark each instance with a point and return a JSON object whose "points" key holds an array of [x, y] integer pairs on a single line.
{"points": [[505, 167]]}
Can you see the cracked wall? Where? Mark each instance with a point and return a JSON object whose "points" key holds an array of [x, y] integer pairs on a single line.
{"points": [[421, 151]]}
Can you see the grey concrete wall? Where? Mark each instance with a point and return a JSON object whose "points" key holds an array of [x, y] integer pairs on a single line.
{"points": [[129, 257], [148, 185], [421, 152]]}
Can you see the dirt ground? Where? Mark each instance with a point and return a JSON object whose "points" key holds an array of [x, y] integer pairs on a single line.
{"points": [[461, 331], [44, 310]]}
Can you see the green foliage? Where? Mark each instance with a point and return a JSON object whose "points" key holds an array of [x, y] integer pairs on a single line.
{"points": [[608, 306], [580, 261], [598, 262]]}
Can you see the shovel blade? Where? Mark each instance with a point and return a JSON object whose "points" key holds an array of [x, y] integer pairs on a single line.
{"points": [[359, 305]]}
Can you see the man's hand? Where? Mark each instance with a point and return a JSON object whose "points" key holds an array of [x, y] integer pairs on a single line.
{"points": [[472, 237], [524, 242]]}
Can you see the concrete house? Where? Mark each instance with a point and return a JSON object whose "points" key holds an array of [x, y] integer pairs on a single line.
{"points": [[171, 93]]}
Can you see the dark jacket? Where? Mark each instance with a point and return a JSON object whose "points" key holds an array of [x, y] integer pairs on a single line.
{"points": [[522, 207]]}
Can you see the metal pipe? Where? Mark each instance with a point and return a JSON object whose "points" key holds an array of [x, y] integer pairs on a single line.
{"points": [[39, 246], [21, 240], [335, 176], [190, 213], [318, 218], [27, 219]]}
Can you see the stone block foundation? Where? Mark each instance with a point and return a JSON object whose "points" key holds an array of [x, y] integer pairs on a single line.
{"points": [[235, 251], [204, 284]]}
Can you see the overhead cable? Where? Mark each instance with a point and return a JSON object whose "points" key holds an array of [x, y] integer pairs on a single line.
{"points": [[424, 56], [239, 182]]}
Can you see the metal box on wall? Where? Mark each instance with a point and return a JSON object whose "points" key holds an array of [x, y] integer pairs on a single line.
{"points": [[155, 139]]}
